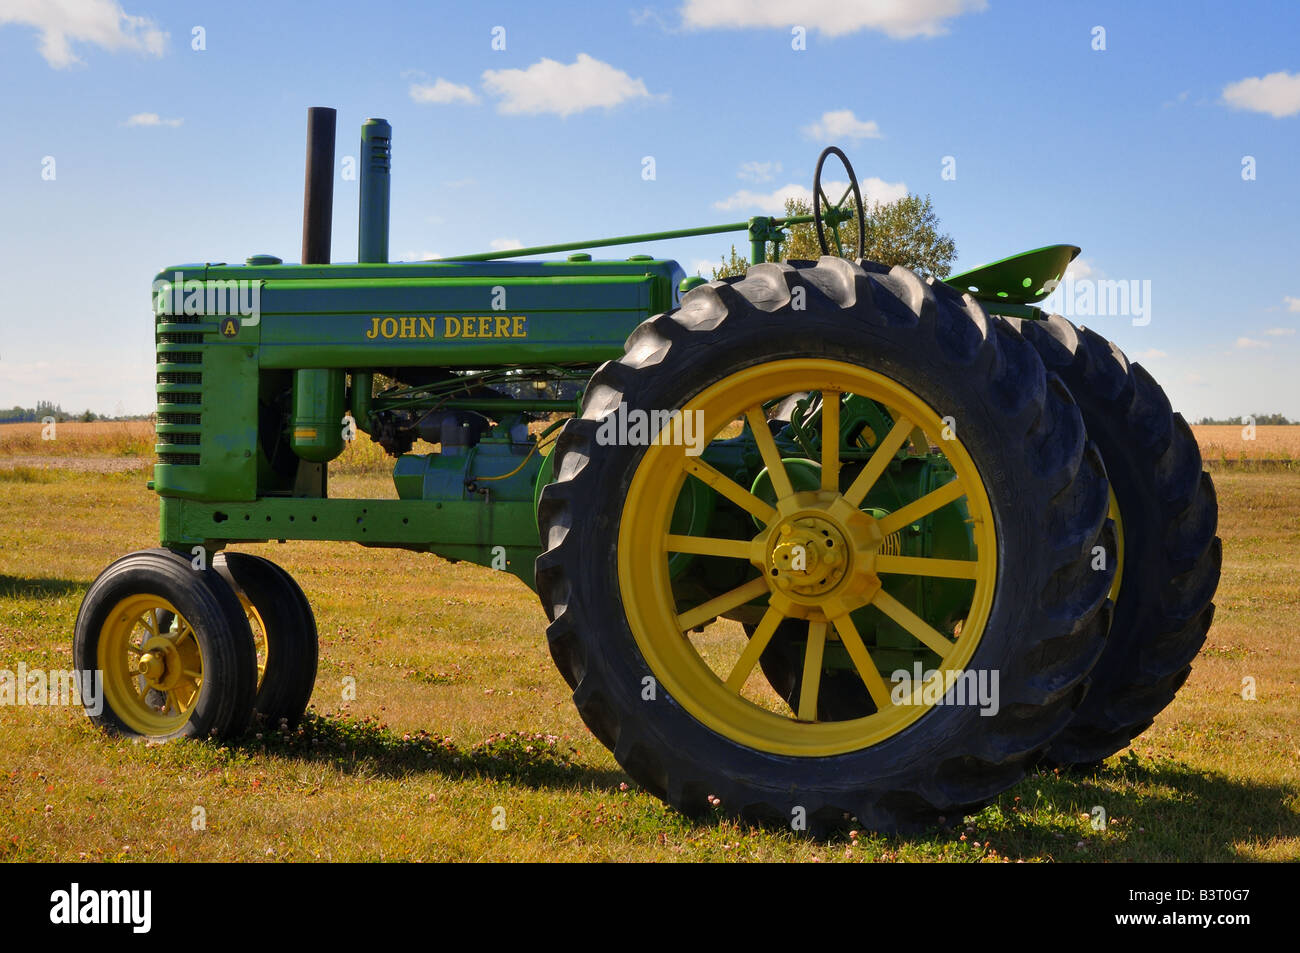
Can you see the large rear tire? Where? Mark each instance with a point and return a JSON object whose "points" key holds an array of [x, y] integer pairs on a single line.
{"points": [[1037, 497], [1171, 556]]}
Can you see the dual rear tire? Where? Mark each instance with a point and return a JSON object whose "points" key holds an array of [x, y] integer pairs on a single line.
{"points": [[622, 627]]}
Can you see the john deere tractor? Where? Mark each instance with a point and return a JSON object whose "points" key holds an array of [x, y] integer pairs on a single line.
{"points": [[825, 541]]}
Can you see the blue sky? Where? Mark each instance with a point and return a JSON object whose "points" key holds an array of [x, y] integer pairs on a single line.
{"points": [[163, 153]]}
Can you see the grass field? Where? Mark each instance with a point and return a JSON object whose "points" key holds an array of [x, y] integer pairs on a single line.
{"points": [[459, 712], [133, 440]]}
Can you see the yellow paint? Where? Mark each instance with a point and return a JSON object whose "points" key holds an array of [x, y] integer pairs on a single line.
{"points": [[662, 631], [476, 326], [1113, 513], [144, 665]]}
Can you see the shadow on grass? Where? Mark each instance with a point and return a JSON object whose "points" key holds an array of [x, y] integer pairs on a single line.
{"points": [[1155, 810], [366, 744], [19, 587]]}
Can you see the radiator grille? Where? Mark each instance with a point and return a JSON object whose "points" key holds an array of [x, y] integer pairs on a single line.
{"points": [[183, 420], [179, 434], [179, 459]]}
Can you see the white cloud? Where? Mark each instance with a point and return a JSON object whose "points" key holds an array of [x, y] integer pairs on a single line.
{"points": [[703, 267], [1277, 94], [1150, 354], [649, 15], [419, 256], [151, 119], [104, 23], [549, 86], [773, 203], [505, 244], [441, 92], [841, 124], [1292, 304], [1080, 269], [758, 171], [899, 19], [1249, 343], [1280, 332]]}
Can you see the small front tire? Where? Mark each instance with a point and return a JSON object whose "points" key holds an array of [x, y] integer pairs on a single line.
{"points": [[170, 647], [278, 612]]}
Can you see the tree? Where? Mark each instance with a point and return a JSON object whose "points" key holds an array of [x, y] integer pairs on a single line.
{"points": [[903, 232]]}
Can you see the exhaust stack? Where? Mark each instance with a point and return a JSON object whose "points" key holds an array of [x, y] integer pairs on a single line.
{"points": [[315, 428], [318, 189], [372, 216]]}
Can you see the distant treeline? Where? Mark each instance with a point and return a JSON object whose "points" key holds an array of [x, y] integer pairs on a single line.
{"points": [[1260, 420], [44, 408]]}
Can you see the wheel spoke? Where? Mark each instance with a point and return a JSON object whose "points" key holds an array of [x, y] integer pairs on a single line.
{"points": [[812, 671], [831, 440], [826, 202], [844, 196], [884, 453], [862, 662], [723, 603], [927, 566], [917, 509], [757, 643], [771, 456], [173, 703], [709, 546], [192, 694], [913, 623], [186, 632], [716, 480]]}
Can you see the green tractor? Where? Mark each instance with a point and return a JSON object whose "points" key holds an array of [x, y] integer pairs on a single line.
{"points": [[825, 541]]}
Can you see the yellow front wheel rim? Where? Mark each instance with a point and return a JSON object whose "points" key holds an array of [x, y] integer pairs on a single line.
{"points": [[152, 665], [261, 645], [717, 699]]}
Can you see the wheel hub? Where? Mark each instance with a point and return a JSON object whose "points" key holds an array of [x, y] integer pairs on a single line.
{"points": [[160, 664], [819, 556], [810, 556]]}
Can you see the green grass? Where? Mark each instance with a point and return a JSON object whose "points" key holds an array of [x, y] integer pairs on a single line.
{"points": [[459, 711]]}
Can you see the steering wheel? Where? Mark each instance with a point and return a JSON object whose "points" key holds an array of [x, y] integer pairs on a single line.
{"points": [[827, 214]]}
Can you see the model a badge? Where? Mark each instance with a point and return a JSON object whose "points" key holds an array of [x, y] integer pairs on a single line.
{"points": [[229, 327]]}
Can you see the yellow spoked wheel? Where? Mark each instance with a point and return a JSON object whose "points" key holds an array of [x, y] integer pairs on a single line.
{"points": [[172, 646], [152, 664], [258, 628], [817, 557], [948, 517]]}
